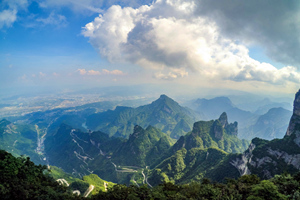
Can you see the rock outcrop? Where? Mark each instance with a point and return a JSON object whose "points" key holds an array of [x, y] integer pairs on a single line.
{"points": [[268, 158], [294, 126]]}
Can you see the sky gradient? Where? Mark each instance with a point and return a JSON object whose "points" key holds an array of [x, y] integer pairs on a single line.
{"points": [[241, 45]]}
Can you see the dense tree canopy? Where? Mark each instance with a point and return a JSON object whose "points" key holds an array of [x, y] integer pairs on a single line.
{"points": [[22, 179]]}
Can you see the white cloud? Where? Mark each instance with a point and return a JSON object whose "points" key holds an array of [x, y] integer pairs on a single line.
{"points": [[81, 71], [113, 72], [168, 35], [171, 75], [97, 73], [90, 6], [76, 5], [53, 19], [272, 25], [10, 9], [7, 17], [93, 72]]}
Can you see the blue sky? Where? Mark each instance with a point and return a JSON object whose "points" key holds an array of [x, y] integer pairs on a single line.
{"points": [[250, 46]]}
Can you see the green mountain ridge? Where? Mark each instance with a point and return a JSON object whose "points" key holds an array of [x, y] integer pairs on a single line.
{"points": [[142, 147], [203, 152], [20, 139], [214, 133], [211, 149], [164, 113]]}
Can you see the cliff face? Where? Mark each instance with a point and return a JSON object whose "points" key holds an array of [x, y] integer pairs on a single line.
{"points": [[267, 158], [294, 126]]}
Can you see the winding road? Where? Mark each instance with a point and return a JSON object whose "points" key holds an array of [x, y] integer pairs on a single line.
{"points": [[88, 191]]}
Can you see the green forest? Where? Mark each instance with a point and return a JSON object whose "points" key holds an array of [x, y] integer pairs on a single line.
{"points": [[22, 179]]}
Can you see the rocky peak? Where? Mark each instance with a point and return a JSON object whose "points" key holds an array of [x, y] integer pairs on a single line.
{"points": [[223, 119], [163, 96], [137, 129], [294, 126], [162, 100]]}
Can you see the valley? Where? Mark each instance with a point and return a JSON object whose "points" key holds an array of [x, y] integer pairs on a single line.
{"points": [[152, 144]]}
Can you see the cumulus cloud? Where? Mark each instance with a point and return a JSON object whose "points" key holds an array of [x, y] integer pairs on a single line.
{"points": [[170, 35], [10, 8], [103, 72], [274, 25]]}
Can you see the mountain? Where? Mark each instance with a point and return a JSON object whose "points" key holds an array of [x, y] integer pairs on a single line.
{"points": [[75, 151], [112, 159], [269, 126], [268, 104], [262, 106], [262, 123], [186, 161], [211, 109], [214, 133], [203, 152], [20, 139], [143, 147], [164, 113], [80, 184], [22, 179], [268, 158], [195, 164]]}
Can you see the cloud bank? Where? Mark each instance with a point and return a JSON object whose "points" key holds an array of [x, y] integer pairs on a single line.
{"points": [[176, 36], [273, 25]]}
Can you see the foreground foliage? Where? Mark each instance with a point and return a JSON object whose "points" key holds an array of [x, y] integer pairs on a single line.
{"points": [[21, 179], [247, 187]]}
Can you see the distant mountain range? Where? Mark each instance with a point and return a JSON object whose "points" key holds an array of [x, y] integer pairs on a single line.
{"points": [[161, 141], [269, 126], [267, 122], [267, 158], [164, 113], [263, 158]]}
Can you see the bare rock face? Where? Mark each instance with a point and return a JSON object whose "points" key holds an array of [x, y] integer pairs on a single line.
{"points": [[218, 132], [241, 163], [223, 119], [294, 125], [267, 158]]}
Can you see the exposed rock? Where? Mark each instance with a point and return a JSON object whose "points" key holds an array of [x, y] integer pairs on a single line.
{"points": [[241, 164], [295, 119], [223, 119], [218, 130], [232, 129], [289, 159]]}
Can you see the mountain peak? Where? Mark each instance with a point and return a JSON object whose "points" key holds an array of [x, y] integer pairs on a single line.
{"points": [[137, 129], [223, 119], [164, 99], [163, 96], [295, 119]]}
